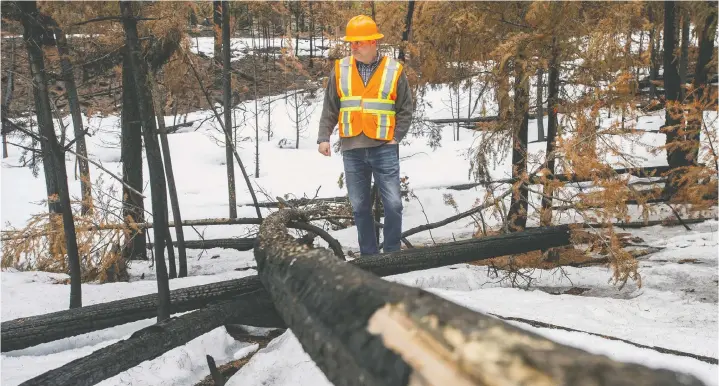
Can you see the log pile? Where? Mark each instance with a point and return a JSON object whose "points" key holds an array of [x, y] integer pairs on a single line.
{"points": [[362, 330], [358, 328], [30, 331]]}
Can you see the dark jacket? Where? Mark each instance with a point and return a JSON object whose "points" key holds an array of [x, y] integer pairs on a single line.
{"points": [[331, 111]]}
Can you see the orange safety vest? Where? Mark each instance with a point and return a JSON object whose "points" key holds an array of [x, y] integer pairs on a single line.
{"points": [[367, 109]]}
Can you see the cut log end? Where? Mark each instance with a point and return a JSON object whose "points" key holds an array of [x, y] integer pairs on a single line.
{"points": [[359, 328]]}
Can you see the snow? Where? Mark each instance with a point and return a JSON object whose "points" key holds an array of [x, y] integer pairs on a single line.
{"points": [[675, 308], [241, 47]]}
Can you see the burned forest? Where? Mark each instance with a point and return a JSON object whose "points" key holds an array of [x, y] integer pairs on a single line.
{"points": [[359, 193]]}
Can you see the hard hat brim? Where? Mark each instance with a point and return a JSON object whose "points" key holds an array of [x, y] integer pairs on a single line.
{"points": [[361, 38]]}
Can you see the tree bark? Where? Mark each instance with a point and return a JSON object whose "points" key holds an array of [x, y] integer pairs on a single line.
{"points": [[68, 76], [7, 98], [540, 104], [53, 154], [360, 329], [407, 29], [133, 205], [653, 55], [517, 214], [26, 332], [217, 31], [227, 101], [552, 105], [170, 255], [172, 189], [154, 158], [257, 126], [312, 33], [684, 58], [702, 94], [153, 341], [676, 157], [240, 244]]}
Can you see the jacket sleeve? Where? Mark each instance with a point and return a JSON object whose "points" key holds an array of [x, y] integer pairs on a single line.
{"points": [[403, 108], [330, 110]]}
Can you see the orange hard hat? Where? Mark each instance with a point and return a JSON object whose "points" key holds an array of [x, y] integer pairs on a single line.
{"points": [[361, 27]]}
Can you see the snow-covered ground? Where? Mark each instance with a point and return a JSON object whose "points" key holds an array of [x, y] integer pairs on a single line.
{"points": [[676, 307], [246, 46]]}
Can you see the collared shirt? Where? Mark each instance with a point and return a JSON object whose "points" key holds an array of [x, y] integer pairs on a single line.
{"points": [[366, 70]]}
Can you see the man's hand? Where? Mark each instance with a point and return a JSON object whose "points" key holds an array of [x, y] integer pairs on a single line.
{"points": [[392, 142], [324, 148]]}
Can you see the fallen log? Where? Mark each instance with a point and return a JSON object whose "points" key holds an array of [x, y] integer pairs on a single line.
{"points": [[362, 330], [153, 341], [492, 118], [240, 244], [646, 172], [302, 202], [30, 331]]}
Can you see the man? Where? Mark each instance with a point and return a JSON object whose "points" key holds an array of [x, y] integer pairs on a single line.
{"points": [[369, 99]]}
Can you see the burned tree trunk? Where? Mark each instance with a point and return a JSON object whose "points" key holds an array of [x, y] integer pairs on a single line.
{"points": [[227, 101], [53, 153], [702, 94], [676, 155], [653, 55], [154, 158], [133, 205], [517, 214], [540, 104], [26, 332], [684, 56], [7, 98], [407, 29], [217, 32], [153, 341], [362, 330], [553, 90], [312, 35], [68, 75], [171, 187], [240, 244]]}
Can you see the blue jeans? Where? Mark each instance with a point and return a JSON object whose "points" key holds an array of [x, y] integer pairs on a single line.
{"points": [[382, 162]]}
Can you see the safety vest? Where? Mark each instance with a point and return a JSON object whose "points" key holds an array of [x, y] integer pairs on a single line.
{"points": [[367, 109]]}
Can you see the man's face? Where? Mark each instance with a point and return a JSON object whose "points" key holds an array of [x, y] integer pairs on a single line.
{"points": [[364, 51]]}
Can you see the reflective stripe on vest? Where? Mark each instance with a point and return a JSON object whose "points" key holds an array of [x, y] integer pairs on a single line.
{"points": [[381, 106], [384, 107], [348, 103]]}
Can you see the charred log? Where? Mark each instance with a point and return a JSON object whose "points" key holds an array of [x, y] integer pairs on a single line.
{"points": [[362, 330], [26, 332], [240, 244], [153, 341], [646, 172]]}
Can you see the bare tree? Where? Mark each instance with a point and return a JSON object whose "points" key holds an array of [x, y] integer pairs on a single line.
{"points": [[675, 157], [540, 104], [407, 28], [68, 75], [154, 157], [53, 153], [133, 205], [227, 101], [8, 96], [552, 102], [217, 31], [517, 214]]}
